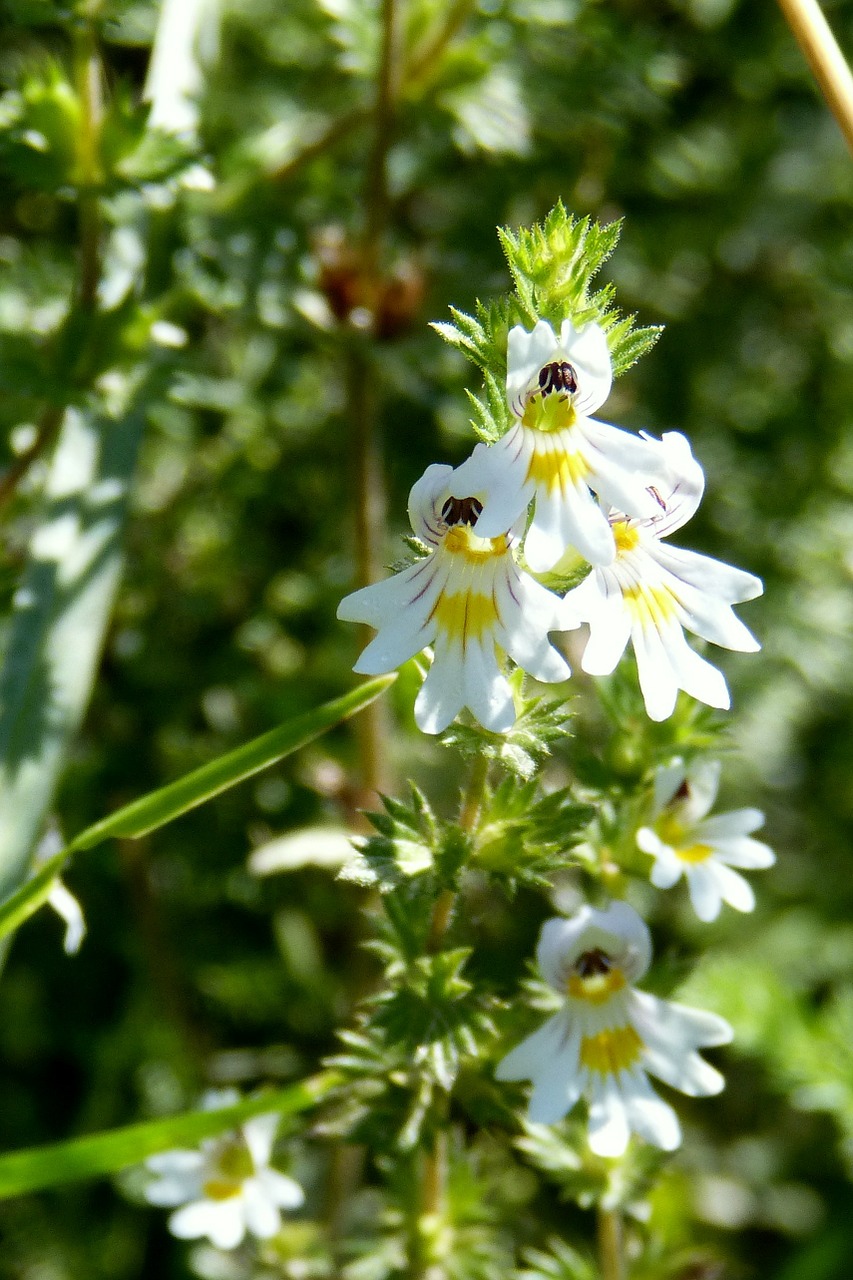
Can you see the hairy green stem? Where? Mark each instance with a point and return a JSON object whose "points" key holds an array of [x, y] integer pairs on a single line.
{"points": [[611, 1254]]}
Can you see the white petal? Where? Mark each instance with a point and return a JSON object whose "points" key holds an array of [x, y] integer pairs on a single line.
{"points": [[487, 692], [743, 852], [624, 468], [658, 681], [442, 694], [705, 890], [259, 1133], [695, 675], [527, 353], [405, 593], [667, 870], [528, 613], [168, 1191], [609, 633], [703, 785], [68, 909], [261, 1213], [283, 1191], [671, 1033], [710, 577], [221, 1221], [563, 518], [496, 475], [732, 825], [525, 1060], [608, 1120], [587, 352], [679, 485], [648, 1115], [426, 498], [176, 1163], [735, 890], [669, 778]]}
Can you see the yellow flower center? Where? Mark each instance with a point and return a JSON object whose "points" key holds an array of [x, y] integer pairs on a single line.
{"points": [[466, 615], [650, 605], [611, 1051], [232, 1164], [548, 412], [596, 988], [557, 468], [626, 536], [674, 834], [461, 541]]}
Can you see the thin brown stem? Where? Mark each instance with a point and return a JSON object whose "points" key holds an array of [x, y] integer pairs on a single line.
{"points": [[611, 1253], [336, 132], [89, 77], [428, 56], [47, 431], [369, 541], [469, 814], [813, 34], [376, 194]]}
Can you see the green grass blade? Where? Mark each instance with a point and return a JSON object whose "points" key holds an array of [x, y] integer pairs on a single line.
{"points": [[169, 802], [60, 615], [101, 1154]]}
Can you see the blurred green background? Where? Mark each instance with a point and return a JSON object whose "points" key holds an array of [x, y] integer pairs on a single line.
{"points": [[696, 121]]}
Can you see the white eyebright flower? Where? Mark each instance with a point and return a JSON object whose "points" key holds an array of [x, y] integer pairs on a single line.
{"points": [[468, 598], [227, 1187], [607, 1036], [556, 453], [652, 591], [684, 841]]}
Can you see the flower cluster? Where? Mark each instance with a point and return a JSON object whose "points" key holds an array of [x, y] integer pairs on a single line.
{"points": [[611, 496], [561, 482]]}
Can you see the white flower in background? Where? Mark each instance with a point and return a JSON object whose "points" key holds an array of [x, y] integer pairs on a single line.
{"points": [[186, 41], [60, 898], [607, 1035], [227, 1187], [684, 841], [652, 591], [556, 453], [468, 598]]}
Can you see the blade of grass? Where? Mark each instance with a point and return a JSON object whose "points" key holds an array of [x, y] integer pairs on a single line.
{"points": [[164, 805], [101, 1154]]}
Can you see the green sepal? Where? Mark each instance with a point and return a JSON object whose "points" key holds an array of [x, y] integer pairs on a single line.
{"points": [[402, 849], [541, 725]]}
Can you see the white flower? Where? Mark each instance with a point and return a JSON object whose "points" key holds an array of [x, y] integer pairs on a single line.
{"points": [[607, 1035], [684, 841], [652, 591], [468, 598], [227, 1187], [187, 38], [556, 453], [60, 898]]}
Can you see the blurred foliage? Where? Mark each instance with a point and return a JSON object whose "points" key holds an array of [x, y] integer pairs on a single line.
{"points": [[235, 268]]}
